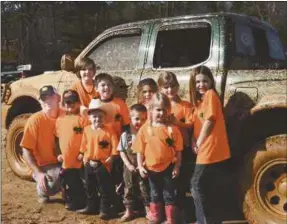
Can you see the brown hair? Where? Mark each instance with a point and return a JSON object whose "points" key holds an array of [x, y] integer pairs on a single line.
{"points": [[194, 96], [139, 108], [149, 82], [167, 78], [82, 64], [103, 76]]}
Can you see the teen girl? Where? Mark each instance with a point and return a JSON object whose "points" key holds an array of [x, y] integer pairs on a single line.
{"points": [[210, 181], [158, 146]]}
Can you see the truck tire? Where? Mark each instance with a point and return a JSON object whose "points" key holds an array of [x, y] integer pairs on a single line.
{"points": [[14, 151], [264, 182]]}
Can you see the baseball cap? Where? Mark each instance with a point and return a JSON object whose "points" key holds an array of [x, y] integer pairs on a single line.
{"points": [[70, 96], [47, 91]]}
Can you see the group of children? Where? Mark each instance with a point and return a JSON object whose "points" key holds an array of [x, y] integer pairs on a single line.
{"points": [[157, 140]]}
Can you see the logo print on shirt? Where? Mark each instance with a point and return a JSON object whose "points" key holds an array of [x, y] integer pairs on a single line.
{"points": [[104, 144], [78, 130], [117, 117]]}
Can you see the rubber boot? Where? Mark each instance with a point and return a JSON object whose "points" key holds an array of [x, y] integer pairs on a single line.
{"points": [[155, 213], [170, 212], [91, 208]]}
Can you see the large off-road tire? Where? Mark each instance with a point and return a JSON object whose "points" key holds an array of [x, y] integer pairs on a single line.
{"points": [[264, 182], [14, 153]]}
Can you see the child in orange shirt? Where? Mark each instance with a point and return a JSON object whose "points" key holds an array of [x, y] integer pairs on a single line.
{"points": [[211, 179], [146, 88], [99, 145], [85, 71], [159, 147], [181, 116], [69, 130], [133, 181]]}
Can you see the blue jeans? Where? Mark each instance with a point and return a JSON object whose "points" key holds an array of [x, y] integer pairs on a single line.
{"points": [[162, 186], [212, 190], [54, 186]]}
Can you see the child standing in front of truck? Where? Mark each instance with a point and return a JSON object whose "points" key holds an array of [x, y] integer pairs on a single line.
{"points": [[133, 181], [211, 178], [158, 145], [146, 88], [181, 116], [69, 130], [85, 71]]}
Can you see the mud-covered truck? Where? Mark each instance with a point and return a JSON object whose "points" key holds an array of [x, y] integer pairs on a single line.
{"points": [[247, 60]]}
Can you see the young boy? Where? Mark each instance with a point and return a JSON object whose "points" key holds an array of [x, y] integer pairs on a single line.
{"points": [[69, 130], [99, 145], [85, 71], [132, 179]]}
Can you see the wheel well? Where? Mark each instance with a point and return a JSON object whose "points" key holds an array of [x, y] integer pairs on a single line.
{"points": [[262, 124], [21, 105]]}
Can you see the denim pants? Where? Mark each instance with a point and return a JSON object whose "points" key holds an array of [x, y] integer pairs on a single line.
{"points": [[213, 194], [99, 180], [162, 187], [73, 186], [53, 186]]}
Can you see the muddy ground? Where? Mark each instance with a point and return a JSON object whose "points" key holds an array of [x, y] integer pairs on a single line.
{"points": [[19, 203]]}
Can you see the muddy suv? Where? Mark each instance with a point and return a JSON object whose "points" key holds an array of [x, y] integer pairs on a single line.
{"points": [[249, 66]]}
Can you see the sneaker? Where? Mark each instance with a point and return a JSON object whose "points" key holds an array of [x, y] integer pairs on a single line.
{"points": [[43, 199]]}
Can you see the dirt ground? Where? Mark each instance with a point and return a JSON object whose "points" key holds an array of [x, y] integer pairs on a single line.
{"points": [[19, 202]]}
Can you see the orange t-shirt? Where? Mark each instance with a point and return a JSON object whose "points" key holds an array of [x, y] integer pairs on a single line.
{"points": [[152, 143], [39, 138], [183, 112], [215, 147], [69, 130], [85, 97], [99, 144], [117, 114]]}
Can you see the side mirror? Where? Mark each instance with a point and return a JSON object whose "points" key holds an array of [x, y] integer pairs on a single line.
{"points": [[67, 62]]}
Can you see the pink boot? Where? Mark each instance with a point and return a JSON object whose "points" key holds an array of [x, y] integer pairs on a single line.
{"points": [[155, 214], [170, 212]]}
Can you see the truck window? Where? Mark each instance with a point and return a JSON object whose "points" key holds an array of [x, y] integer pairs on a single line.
{"points": [[118, 52], [182, 45], [254, 41]]}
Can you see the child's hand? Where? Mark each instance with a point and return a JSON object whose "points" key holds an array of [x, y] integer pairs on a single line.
{"points": [[109, 160], [80, 157], [60, 158], [175, 172], [131, 168], [143, 172], [194, 146]]}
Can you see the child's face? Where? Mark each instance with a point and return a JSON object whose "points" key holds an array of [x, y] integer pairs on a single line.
{"points": [[72, 108], [87, 74], [202, 83], [97, 118], [171, 91], [159, 113], [105, 89], [137, 119], [147, 93]]}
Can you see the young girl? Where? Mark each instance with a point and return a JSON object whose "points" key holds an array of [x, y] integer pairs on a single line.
{"points": [[159, 147], [86, 70], [146, 88], [210, 179], [181, 116]]}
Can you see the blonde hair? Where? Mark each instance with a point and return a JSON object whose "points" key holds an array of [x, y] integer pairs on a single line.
{"points": [[167, 78], [158, 99], [194, 95]]}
